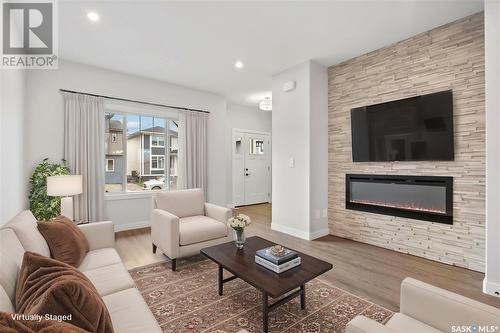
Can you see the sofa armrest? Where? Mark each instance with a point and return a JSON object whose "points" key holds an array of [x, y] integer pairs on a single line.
{"points": [[441, 308], [99, 234], [219, 213], [362, 324], [165, 232]]}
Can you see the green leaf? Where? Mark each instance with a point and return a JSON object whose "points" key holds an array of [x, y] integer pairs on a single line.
{"points": [[45, 207]]}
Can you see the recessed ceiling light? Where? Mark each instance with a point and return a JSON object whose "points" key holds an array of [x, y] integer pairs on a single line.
{"points": [[93, 16], [238, 64]]}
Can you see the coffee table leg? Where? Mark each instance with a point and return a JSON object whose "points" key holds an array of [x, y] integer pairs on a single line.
{"points": [[265, 309], [220, 281], [303, 297]]}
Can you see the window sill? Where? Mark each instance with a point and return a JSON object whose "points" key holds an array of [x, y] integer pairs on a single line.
{"points": [[129, 195]]}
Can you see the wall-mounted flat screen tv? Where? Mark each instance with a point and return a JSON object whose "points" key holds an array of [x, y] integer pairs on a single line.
{"points": [[411, 129]]}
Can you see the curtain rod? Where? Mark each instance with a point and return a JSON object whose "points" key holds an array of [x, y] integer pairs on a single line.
{"points": [[133, 101]]}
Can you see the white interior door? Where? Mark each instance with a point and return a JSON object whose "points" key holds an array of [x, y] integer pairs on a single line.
{"points": [[251, 168], [257, 168]]}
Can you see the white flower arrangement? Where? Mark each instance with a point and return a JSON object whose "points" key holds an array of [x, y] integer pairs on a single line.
{"points": [[239, 222]]}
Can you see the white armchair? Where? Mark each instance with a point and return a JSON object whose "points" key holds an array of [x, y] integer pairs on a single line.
{"points": [[428, 309], [182, 224]]}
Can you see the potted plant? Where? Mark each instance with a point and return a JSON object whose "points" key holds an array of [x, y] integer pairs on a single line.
{"points": [[42, 206], [239, 223]]}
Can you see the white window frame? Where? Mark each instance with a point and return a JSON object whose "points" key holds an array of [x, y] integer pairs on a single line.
{"points": [[112, 169], [158, 162], [114, 138], [125, 109], [157, 136]]}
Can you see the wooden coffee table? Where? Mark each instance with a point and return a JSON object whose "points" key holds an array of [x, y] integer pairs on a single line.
{"points": [[241, 263]]}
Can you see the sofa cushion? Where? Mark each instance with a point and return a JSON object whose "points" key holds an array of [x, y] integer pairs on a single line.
{"points": [[48, 286], [24, 225], [181, 203], [6, 304], [11, 258], [129, 312], [195, 229], [11, 325], [65, 240], [403, 323], [110, 279], [99, 258]]}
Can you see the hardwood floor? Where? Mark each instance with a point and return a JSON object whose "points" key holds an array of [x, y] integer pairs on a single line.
{"points": [[367, 271], [259, 213]]}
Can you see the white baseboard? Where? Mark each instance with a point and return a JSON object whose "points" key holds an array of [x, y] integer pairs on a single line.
{"points": [[133, 225], [491, 288], [319, 233], [299, 233]]}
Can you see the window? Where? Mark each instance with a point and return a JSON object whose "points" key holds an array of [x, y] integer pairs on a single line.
{"points": [[158, 162], [157, 141], [114, 151], [142, 159], [110, 165], [256, 147]]}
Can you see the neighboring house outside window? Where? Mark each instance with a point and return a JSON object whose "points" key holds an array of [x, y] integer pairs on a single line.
{"points": [[158, 162], [140, 152], [110, 165], [157, 141]]}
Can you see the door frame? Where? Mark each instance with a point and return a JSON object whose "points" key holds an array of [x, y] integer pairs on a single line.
{"points": [[269, 161]]}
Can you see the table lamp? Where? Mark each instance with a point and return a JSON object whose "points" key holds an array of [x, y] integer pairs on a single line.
{"points": [[65, 187]]}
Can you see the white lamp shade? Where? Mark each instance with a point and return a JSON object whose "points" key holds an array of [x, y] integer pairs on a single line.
{"points": [[60, 186]]}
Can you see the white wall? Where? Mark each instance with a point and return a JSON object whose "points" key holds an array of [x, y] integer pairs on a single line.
{"points": [[318, 151], [44, 125], [492, 53], [13, 189], [300, 127], [247, 118]]}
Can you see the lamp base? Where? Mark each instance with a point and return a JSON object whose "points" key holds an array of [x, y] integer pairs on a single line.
{"points": [[67, 207]]}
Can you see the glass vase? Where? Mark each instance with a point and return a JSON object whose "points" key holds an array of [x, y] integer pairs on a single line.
{"points": [[239, 238]]}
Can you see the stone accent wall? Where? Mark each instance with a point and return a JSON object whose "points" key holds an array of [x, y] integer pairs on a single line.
{"points": [[448, 57]]}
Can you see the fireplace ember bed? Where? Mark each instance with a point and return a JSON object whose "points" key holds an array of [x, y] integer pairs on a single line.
{"points": [[426, 198]]}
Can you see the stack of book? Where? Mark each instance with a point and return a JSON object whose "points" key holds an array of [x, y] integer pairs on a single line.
{"points": [[277, 258]]}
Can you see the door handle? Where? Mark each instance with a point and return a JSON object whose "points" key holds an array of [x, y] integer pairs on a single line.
{"points": [[247, 174]]}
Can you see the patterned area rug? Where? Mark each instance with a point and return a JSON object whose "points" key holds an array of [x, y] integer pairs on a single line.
{"points": [[187, 301]]}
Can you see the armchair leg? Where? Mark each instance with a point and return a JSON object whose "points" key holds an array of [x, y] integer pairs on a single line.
{"points": [[174, 265], [154, 249]]}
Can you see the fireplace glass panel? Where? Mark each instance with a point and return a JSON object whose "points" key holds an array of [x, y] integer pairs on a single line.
{"points": [[424, 198]]}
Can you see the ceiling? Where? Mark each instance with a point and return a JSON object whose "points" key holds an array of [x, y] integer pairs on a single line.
{"points": [[196, 44]]}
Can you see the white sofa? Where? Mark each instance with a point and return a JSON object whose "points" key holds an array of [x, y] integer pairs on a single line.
{"points": [[183, 223], [102, 265], [428, 309]]}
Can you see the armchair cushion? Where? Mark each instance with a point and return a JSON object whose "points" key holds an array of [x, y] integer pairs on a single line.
{"points": [[181, 203], [402, 323], [362, 324], [441, 308], [196, 229], [219, 213]]}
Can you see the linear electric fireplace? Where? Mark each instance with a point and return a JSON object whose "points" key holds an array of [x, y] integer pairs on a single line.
{"points": [[417, 197]]}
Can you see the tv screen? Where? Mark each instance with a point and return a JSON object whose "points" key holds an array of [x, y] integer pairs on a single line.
{"points": [[411, 129]]}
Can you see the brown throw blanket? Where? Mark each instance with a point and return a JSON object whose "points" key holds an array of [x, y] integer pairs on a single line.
{"points": [[48, 286]]}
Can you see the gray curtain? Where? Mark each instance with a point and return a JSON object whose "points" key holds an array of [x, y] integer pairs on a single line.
{"points": [[84, 152], [193, 150]]}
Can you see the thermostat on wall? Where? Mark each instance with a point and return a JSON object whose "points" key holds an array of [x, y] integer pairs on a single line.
{"points": [[289, 86]]}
